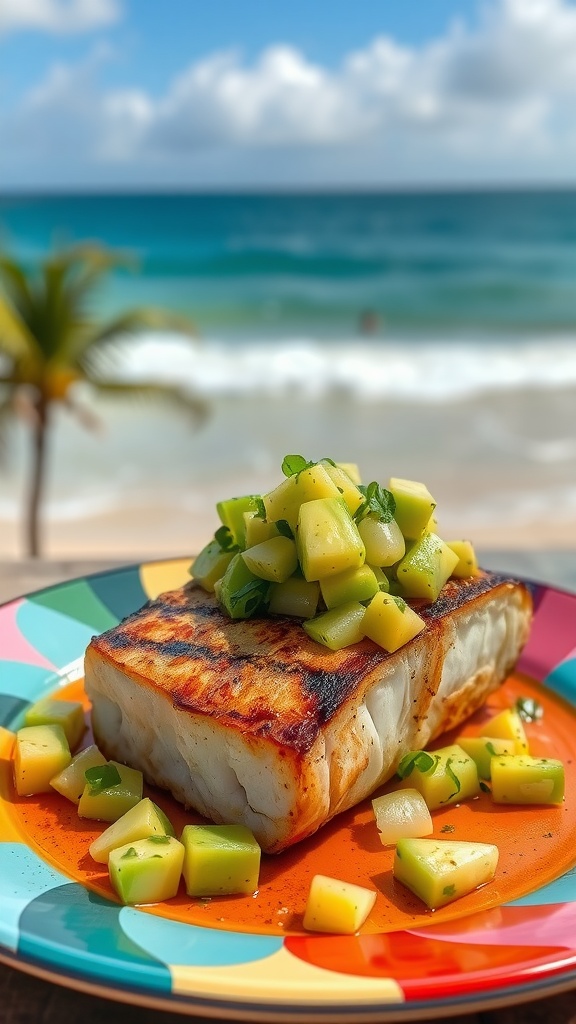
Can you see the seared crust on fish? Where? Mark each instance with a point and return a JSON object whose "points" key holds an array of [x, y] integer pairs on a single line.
{"points": [[253, 722]]}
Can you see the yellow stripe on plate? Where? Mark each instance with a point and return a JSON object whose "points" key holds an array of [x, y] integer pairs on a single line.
{"points": [[157, 577]]}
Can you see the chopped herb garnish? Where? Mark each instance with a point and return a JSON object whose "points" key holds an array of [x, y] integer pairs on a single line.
{"points": [[284, 528], [225, 540], [129, 854], [378, 502], [448, 890], [260, 508], [294, 464], [400, 604], [102, 777], [529, 709], [256, 592], [452, 775], [159, 839], [485, 788], [448, 828], [415, 759], [490, 748]]}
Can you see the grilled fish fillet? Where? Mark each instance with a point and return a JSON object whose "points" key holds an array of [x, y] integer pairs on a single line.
{"points": [[251, 722]]}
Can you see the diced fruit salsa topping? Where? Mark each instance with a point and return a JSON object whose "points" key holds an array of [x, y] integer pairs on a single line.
{"points": [[343, 557]]}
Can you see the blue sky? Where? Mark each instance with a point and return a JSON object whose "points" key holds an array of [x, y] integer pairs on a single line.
{"points": [[178, 93]]}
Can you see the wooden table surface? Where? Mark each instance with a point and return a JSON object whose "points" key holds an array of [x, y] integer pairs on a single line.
{"points": [[29, 1000]]}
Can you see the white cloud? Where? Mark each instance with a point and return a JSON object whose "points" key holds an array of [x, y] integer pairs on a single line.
{"points": [[495, 102], [57, 16]]}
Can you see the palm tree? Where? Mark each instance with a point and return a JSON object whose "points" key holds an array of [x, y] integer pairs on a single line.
{"points": [[49, 341]]}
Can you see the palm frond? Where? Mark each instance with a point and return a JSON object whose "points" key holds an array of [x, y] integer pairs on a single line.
{"points": [[17, 285], [6, 414], [179, 400], [16, 340], [86, 263], [134, 321]]}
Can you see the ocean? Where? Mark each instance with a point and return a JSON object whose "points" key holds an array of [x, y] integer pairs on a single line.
{"points": [[446, 320]]}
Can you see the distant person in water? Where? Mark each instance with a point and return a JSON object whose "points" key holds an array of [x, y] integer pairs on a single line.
{"points": [[369, 322]]}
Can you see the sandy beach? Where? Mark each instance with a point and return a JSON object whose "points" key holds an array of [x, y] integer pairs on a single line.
{"points": [[502, 466]]}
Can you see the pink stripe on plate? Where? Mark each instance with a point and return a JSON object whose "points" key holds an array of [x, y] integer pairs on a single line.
{"points": [[14, 646], [552, 635]]}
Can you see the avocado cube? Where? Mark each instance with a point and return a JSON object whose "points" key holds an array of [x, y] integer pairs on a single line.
{"points": [[71, 781], [507, 725], [384, 542], [148, 870], [141, 821], [451, 776], [414, 506], [240, 592], [257, 529], [274, 560], [340, 627], [210, 565], [327, 539], [390, 622], [467, 564], [483, 748], [351, 585], [441, 870], [67, 713], [426, 567], [111, 802], [285, 500], [41, 752], [519, 779], [231, 513], [351, 494], [295, 596], [220, 860], [336, 906]]}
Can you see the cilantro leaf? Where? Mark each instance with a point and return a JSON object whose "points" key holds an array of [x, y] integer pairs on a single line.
{"points": [[254, 595], [529, 709], [378, 502], [415, 759], [284, 528], [454, 778], [260, 508], [102, 777], [294, 464], [225, 540]]}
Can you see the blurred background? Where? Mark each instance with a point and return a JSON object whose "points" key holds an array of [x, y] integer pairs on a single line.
{"points": [[366, 210]]}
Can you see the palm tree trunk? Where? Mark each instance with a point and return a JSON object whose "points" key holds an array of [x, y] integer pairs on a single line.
{"points": [[37, 478]]}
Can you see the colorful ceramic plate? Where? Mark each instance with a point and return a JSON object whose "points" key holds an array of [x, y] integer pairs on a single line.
{"points": [[249, 958]]}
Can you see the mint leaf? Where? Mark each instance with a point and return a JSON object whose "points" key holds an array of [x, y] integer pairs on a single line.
{"points": [[415, 759], [104, 776], [284, 528], [294, 464], [225, 540], [254, 595], [530, 710], [378, 502]]}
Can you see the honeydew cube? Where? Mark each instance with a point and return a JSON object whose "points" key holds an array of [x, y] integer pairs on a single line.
{"points": [[111, 802], [295, 596], [483, 748], [447, 776], [69, 714], [328, 540], [439, 871], [257, 529], [381, 578], [274, 560], [220, 860], [336, 906], [41, 752], [390, 622], [351, 494], [148, 870], [467, 564], [426, 567], [384, 542], [402, 814], [231, 513], [210, 565], [141, 821], [414, 506], [507, 725], [340, 627], [431, 525], [71, 781], [351, 469], [519, 779], [309, 485], [351, 585]]}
